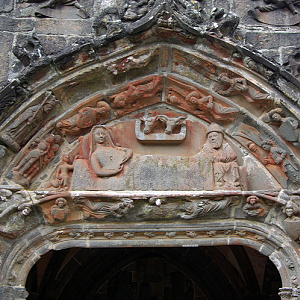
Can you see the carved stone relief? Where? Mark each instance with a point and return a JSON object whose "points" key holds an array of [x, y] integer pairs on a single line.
{"points": [[268, 13], [85, 118], [28, 123]]}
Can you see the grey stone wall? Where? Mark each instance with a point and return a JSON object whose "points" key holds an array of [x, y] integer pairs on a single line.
{"points": [[18, 21]]}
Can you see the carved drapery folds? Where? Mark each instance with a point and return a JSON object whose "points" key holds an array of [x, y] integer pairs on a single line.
{"points": [[181, 128]]}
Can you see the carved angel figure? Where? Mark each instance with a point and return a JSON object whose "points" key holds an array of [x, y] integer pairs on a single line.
{"points": [[239, 85], [100, 210], [106, 159], [203, 207], [85, 118]]}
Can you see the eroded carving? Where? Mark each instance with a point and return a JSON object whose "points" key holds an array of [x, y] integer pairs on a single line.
{"points": [[35, 160], [203, 206], [272, 5], [102, 209], [63, 174], [287, 126], [253, 207], [292, 63], [131, 97], [204, 106], [28, 123], [106, 159], [30, 51], [223, 24], [135, 9], [45, 10], [223, 159], [292, 223], [239, 85], [85, 118], [60, 210], [257, 67]]}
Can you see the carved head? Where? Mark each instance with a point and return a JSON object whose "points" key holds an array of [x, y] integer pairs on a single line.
{"points": [[267, 145], [103, 108], [215, 135], [61, 202], [252, 199], [291, 209], [100, 136]]}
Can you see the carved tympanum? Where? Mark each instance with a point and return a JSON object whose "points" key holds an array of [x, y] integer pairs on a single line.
{"points": [[85, 118], [223, 159], [28, 123], [106, 159]]}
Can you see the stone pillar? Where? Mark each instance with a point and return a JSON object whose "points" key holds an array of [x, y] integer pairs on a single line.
{"points": [[13, 292]]}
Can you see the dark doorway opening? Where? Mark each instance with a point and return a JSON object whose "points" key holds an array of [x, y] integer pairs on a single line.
{"points": [[204, 273]]}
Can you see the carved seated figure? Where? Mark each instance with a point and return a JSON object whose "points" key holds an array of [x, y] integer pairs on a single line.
{"points": [[292, 222], [223, 159], [106, 159]]}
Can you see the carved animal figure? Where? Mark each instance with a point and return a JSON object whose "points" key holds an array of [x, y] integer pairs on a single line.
{"points": [[171, 123], [149, 123]]}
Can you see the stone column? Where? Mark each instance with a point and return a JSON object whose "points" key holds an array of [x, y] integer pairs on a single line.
{"points": [[13, 292]]}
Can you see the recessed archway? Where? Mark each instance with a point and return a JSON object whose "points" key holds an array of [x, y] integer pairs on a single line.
{"points": [[212, 272]]}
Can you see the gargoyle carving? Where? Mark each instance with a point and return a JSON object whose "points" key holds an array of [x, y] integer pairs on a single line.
{"points": [[85, 118], [223, 24], [28, 123], [30, 51], [100, 209]]}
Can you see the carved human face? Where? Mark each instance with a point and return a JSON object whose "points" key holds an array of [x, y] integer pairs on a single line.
{"points": [[266, 147], [276, 117], [215, 139], [252, 200], [100, 136], [47, 108], [289, 210], [60, 203]]}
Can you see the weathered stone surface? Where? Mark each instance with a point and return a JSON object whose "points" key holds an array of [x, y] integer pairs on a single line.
{"points": [[16, 25], [64, 27], [6, 6], [6, 40]]}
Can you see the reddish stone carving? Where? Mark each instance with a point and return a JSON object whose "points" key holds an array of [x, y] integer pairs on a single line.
{"points": [[60, 210], [85, 118], [63, 174], [239, 85], [106, 159], [28, 123], [166, 129], [100, 209], [223, 159], [254, 207], [204, 106], [131, 97], [36, 159]]}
